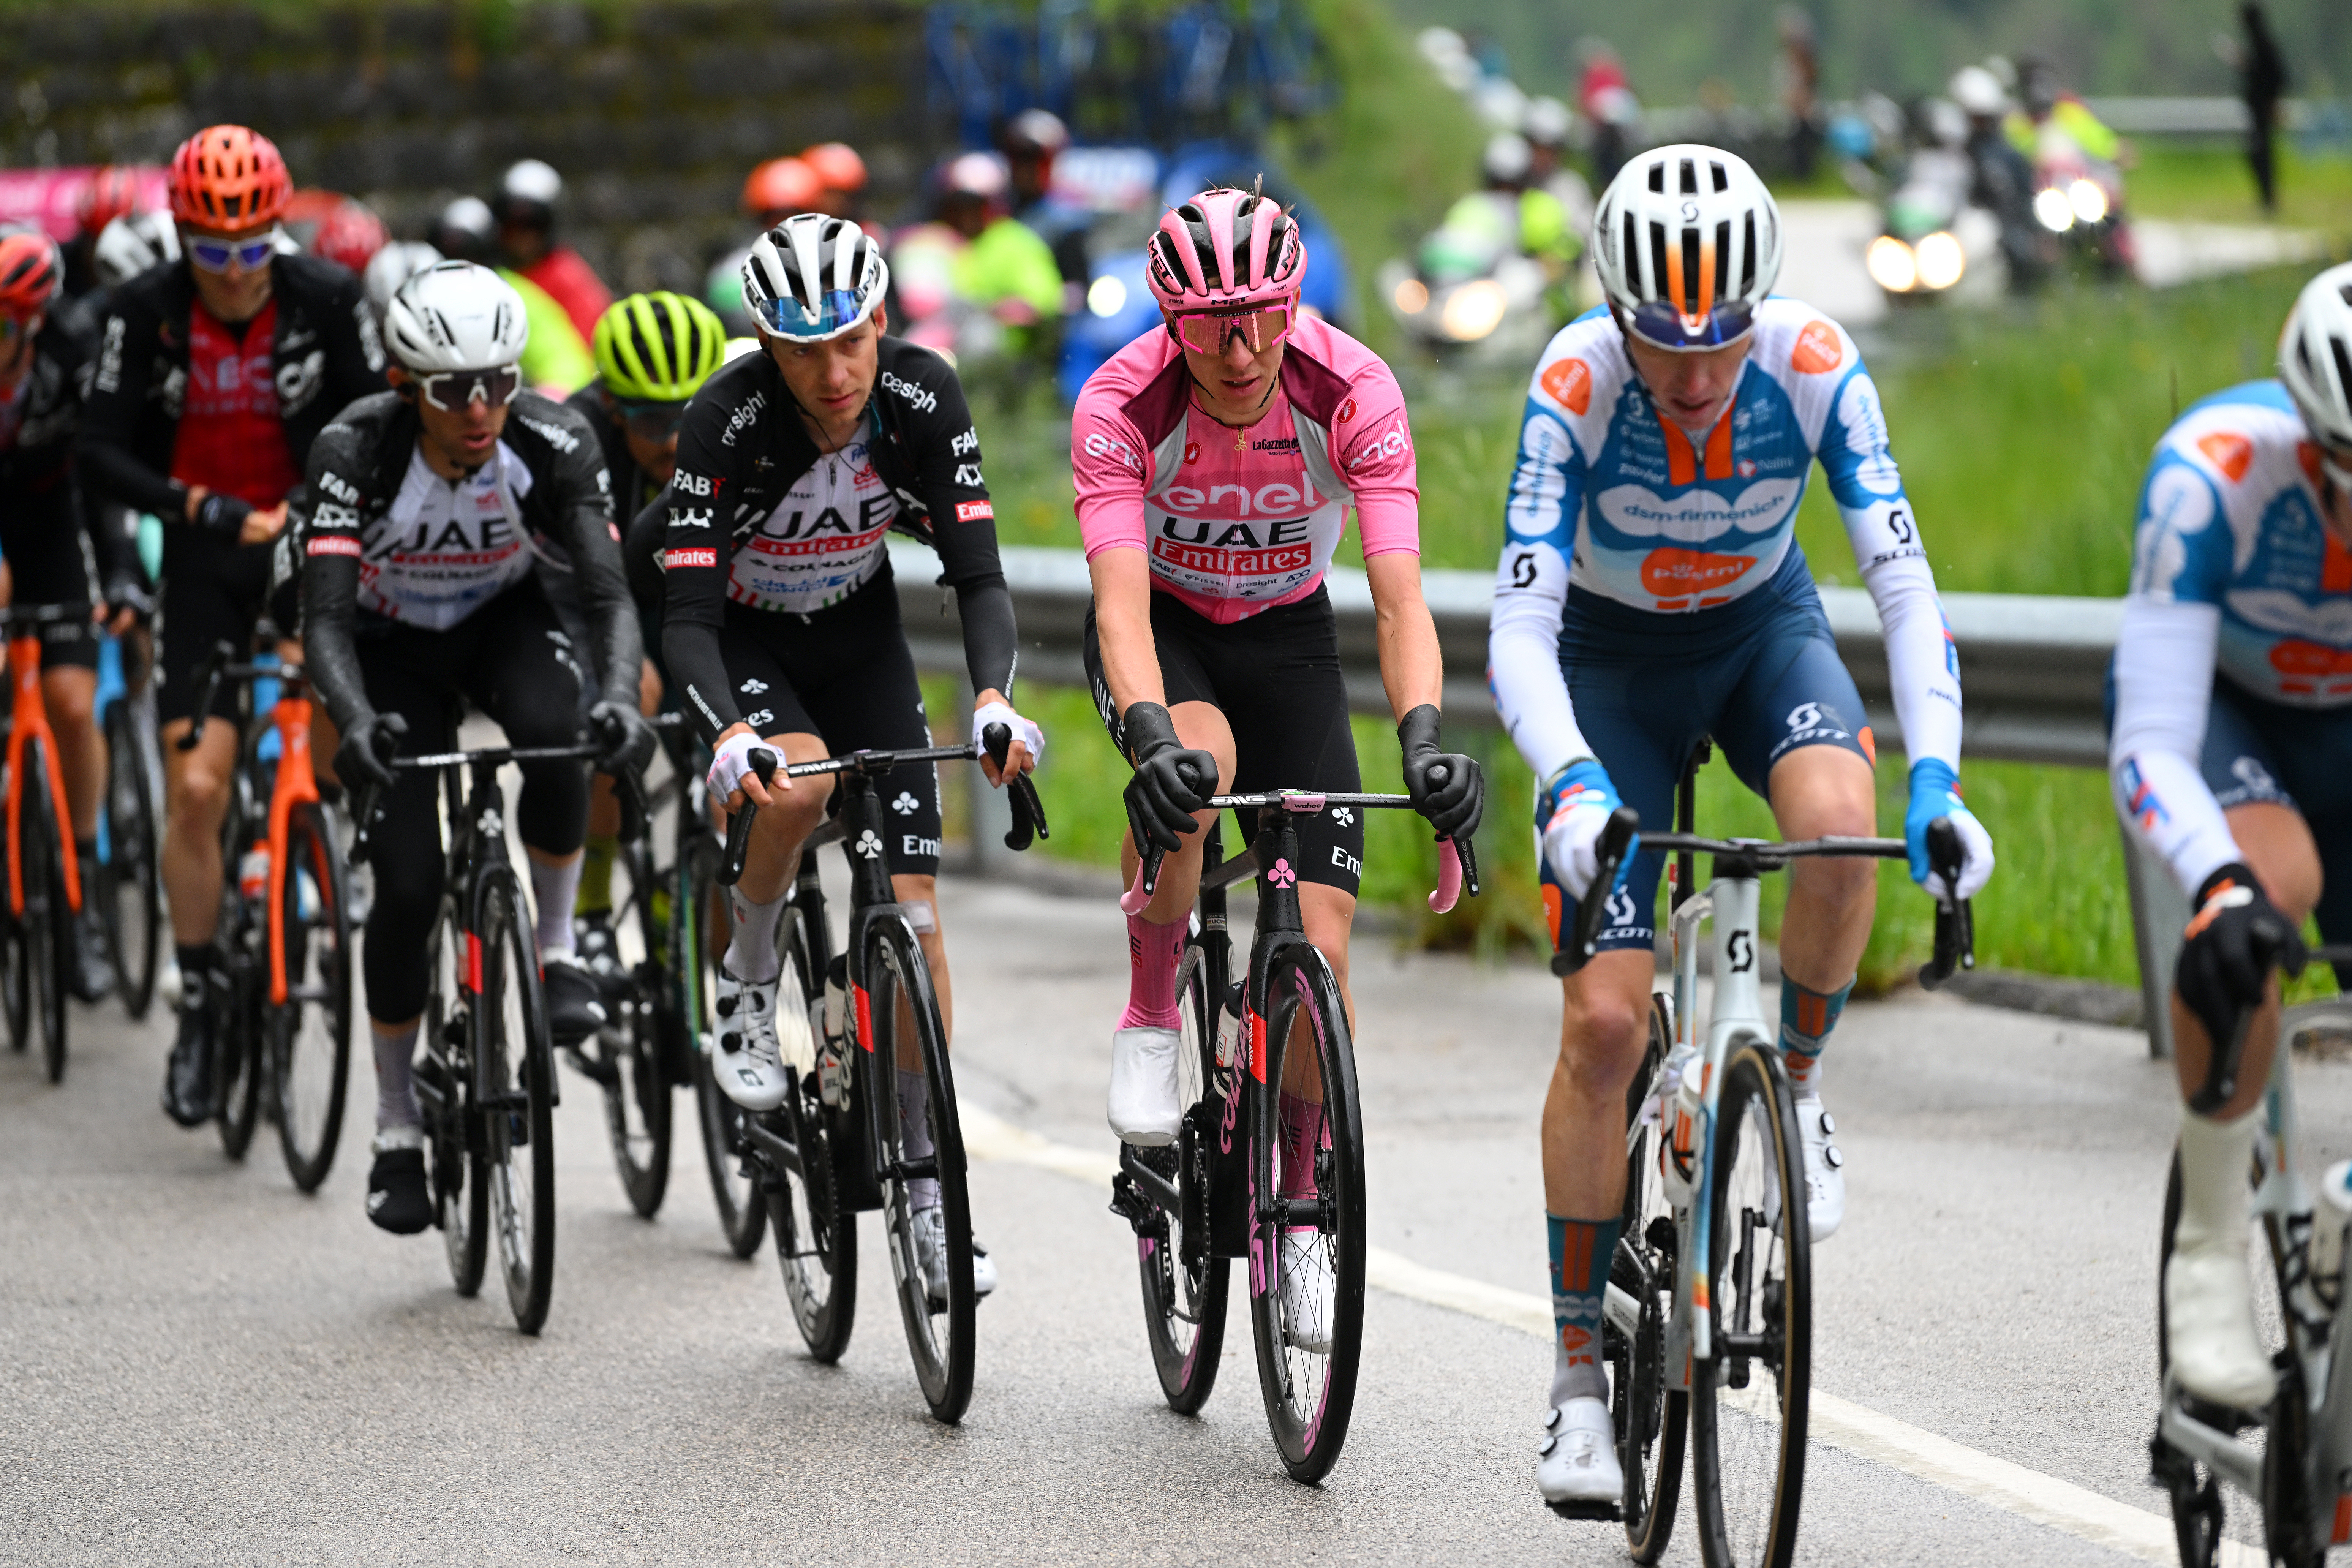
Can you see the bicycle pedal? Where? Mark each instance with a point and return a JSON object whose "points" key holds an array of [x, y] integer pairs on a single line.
{"points": [[1594, 1512]]}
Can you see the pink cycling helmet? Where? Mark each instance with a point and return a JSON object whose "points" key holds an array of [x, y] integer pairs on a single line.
{"points": [[1224, 248]]}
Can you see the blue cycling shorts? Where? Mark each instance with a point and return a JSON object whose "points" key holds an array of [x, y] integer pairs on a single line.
{"points": [[2261, 752], [1759, 676]]}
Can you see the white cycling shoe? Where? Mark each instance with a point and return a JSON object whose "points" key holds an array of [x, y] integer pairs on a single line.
{"points": [[1578, 1460], [1306, 1290], [743, 1060], [1142, 1105], [2209, 1291], [931, 1256]]}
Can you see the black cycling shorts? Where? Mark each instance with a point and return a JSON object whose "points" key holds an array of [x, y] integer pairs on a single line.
{"points": [[214, 591], [511, 660], [49, 563], [1275, 678], [843, 675]]}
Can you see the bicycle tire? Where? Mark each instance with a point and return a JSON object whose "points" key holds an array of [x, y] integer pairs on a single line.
{"points": [[515, 1064], [131, 879], [697, 924], [815, 1233], [939, 1330], [1652, 1420], [1185, 1297], [637, 1118], [461, 1201], [1309, 1396], [1749, 1452], [310, 1031], [47, 917]]}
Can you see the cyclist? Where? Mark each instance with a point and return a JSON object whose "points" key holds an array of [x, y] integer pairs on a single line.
{"points": [[781, 616], [556, 361], [841, 178], [416, 528], [1651, 595], [653, 352], [213, 376], [45, 359], [2233, 716], [1215, 464], [526, 214]]}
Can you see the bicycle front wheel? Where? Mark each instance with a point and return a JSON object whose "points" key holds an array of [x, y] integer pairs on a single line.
{"points": [[444, 1087], [130, 880], [1653, 1421], [1748, 1399], [310, 1031], [910, 1045], [816, 1234], [1185, 1283], [698, 936], [1307, 1257], [516, 1067], [47, 920], [636, 1088]]}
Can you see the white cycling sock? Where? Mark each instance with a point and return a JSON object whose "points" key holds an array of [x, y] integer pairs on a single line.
{"points": [[752, 953], [914, 1135], [552, 889], [395, 1094]]}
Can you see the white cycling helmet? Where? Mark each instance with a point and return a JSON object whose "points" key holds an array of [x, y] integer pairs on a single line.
{"points": [[391, 267], [1978, 92], [131, 244], [454, 315], [2315, 357], [812, 278], [1689, 243]]}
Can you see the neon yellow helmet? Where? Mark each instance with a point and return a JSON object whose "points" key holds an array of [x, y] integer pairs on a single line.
{"points": [[657, 348]]}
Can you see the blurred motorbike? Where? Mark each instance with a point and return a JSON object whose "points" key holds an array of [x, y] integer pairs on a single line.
{"points": [[1469, 293], [2079, 199]]}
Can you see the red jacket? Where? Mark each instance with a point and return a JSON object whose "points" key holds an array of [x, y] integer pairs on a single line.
{"points": [[574, 286]]}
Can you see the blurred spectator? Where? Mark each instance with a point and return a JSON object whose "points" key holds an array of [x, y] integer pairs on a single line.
{"points": [[841, 178], [555, 359], [974, 281], [395, 264], [526, 217], [1800, 72], [112, 193], [1030, 142], [2002, 181], [2051, 112], [1510, 215], [1605, 97], [2262, 83], [1548, 126]]}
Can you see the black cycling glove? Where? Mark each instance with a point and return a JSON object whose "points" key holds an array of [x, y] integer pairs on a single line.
{"points": [[219, 514], [2236, 938], [622, 730], [1446, 787], [365, 756], [1169, 783], [126, 591]]}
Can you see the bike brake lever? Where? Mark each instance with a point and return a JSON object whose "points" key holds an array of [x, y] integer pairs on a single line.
{"points": [[1956, 935], [1580, 944], [739, 832]]}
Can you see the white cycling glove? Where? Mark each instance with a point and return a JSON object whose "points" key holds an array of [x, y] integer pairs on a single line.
{"points": [[1027, 734], [733, 760], [1582, 802]]}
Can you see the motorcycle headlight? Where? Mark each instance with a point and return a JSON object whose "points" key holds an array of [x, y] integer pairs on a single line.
{"points": [[1474, 310], [1891, 265], [1411, 297], [1941, 260], [1108, 297], [2052, 211], [2089, 202]]}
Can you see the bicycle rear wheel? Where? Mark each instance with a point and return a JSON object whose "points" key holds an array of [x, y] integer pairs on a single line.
{"points": [[130, 880], [908, 1035], [1309, 1328], [1749, 1399], [817, 1235], [1653, 1421], [1185, 1284], [636, 1088], [517, 1071], [699, 935], [310, 1031]]}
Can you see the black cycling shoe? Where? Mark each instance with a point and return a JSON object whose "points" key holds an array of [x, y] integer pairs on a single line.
{"points": [[188, 1077], [92, 979], [591, 938], [574, 1009], [398, 1200]]}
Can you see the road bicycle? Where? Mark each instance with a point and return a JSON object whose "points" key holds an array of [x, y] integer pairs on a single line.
{"points": [[2300, 1473], [848, 1024], [1708, 1315], [44, 873], [281, 1001], [485, 1075], [130, 873], [1236, 1183]]}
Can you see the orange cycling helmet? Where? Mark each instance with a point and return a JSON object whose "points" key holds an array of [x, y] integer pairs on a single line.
{"points": [[28, 274], [112, 193], [781, 185], [228, 179], [837, 166]]}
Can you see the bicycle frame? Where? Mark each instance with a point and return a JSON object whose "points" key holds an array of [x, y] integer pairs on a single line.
{"points": [[29, 720], [296, 784]]}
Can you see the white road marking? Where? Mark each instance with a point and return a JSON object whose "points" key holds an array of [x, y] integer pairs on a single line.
{"points": [[2046, 1499]]}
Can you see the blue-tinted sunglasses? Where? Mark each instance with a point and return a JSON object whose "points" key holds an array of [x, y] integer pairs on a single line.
{"points": [[1660, 323], [836, 312], [214, 255]]}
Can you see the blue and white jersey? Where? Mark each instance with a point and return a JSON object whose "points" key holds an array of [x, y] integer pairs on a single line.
{"points": [[1614, 500], [2230, 518]]}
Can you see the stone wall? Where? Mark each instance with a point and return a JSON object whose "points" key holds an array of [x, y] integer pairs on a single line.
{"points": [[653, 111]]}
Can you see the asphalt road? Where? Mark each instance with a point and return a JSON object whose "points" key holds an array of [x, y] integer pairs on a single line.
{"points": [[198, 1364]]}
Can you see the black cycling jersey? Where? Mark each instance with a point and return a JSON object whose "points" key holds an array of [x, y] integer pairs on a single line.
{"points": [[364, 571], [633, 489], [759, 517], [42, 525]]}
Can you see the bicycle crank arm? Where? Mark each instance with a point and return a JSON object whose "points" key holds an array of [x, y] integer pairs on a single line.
{"points": [[778, 1152], [1156, 1188]]}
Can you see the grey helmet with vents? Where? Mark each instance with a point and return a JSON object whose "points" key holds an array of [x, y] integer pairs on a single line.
{"points": [[2315, 358], [1688, 242], [454, 315], [812, 278]]}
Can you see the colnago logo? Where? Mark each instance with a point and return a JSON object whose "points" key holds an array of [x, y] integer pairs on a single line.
{"points": [[687, 484], [555, 435], [676, 558], [333, 545], [916, 397]]}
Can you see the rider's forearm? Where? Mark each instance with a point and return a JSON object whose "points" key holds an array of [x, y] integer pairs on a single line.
{"points": [[1131, 659], [1411, 669], [1920, 667]]}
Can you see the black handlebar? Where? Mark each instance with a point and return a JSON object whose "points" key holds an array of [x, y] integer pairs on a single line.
{"points": [[1028, 811], [1577, 945], [1956, 925], [739, 832]]}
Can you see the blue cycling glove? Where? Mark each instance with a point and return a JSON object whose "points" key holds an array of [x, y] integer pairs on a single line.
{"points": [[1935, 791], [1577, 803]]}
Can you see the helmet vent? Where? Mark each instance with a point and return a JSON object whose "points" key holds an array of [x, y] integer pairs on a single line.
{"points": [[1722, 177], [1690, 272], [1748, 255], [1690, 177], [2343, 366], [1658, 287], [1658, 177]]}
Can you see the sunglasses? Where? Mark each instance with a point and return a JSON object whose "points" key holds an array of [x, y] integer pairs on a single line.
{"points": [[836, 312], [1262, 327], [1660, 323], [452, 390], [214, 255], [653, 422]]}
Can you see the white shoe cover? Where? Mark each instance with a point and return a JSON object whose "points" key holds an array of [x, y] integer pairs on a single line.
{"points": [[1306, 1289], [2209, 1293], [1578, 1460], [1142, 1101]]}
